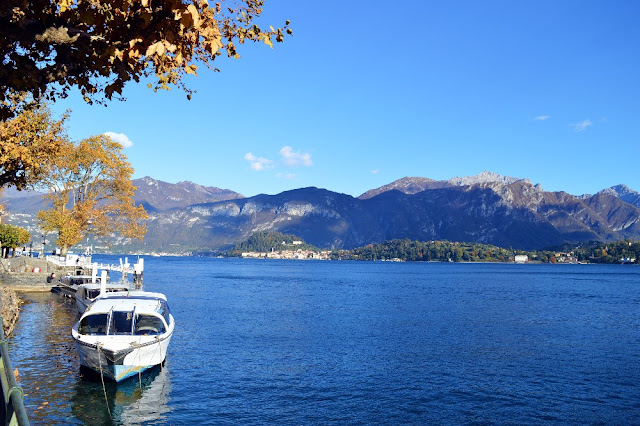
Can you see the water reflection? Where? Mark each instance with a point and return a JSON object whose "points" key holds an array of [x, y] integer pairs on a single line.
{"points": [[58, 391], [142, 399]]}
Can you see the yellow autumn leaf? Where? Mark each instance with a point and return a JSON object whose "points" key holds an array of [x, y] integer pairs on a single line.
{"points": [[194, 14], [65, 5], [151, 50]]}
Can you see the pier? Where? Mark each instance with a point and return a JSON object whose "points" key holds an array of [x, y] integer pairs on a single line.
{"points": [[84, 262]]}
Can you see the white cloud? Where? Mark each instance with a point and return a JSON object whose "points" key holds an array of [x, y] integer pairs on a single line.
{"points": [[258, 163], [293, 159], [541, 118], [121, 138], [375, 171], [581, 127]]}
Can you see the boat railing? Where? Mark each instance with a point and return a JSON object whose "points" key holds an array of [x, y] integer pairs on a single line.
{"points": [[12, 408], [70, 260], [85, 262], [129, 269]]}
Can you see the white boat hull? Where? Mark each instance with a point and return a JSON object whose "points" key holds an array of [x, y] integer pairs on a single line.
{"points": [[118, 359]]}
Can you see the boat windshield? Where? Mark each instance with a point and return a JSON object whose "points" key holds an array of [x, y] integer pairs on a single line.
{"points": [[148, 325], [164, 311], [121, 322], [94, 325]]}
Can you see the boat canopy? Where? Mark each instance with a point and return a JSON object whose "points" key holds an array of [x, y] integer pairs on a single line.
{"points": [[77, 279], [138, 313], [122, 323]]}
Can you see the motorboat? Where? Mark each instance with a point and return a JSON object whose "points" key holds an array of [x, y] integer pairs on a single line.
{"points": [[68, 284], [123, 333], [87, 293]]}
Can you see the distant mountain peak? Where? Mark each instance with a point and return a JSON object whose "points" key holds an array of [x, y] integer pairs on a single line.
{"points": [[484, 177], [619, 190], [624, 193], [159, 195], [413, 185], [408, 185]]}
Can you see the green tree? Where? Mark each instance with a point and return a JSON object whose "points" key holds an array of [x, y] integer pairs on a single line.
{"points": [[12, 237]]}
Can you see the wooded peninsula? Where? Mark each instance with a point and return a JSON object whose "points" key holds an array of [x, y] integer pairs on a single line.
{"points": [[624, 251]]}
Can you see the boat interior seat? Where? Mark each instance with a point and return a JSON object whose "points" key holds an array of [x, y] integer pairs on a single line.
{"points": [[98, 330], [146, 330]]}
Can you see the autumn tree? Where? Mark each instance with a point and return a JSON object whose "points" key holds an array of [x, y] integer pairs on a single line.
{"points": [[49, 47], [91, 193], [28, 142], [2, 208]]}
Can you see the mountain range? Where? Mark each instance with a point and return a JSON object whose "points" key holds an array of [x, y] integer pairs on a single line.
{"points": [[486, 208]]}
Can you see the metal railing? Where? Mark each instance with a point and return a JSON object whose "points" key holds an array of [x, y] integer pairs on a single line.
{"points": [[13, 396], [70, 260]]}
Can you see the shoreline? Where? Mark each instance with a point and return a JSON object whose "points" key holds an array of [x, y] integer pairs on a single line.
{"points": [[10, 310], [11, 285], [25, 282]]}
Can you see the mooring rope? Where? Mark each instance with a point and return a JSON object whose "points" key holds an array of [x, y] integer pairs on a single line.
{"points": [[164, 378], [140, 370], [160, 352], [104, 389]]}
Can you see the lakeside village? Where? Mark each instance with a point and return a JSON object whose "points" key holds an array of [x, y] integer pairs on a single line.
{"points": [[275, 245], [560, 257], [297, 254]]}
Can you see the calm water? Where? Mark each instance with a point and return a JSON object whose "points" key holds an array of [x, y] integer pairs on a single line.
{"points": [[295, 342]]}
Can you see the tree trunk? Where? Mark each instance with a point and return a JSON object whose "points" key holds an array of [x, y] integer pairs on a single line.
{"points": [[64, 250]]}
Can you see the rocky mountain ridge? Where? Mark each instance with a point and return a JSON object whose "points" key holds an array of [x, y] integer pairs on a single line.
{"points": [[487, 208], [624, 193], [517, 214], [413, 185], [156, 195]]}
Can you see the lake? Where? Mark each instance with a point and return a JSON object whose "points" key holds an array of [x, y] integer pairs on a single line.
{"points": [[312, 342]]}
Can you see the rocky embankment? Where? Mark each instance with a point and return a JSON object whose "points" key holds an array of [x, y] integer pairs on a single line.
{"points": [[10, 309]]}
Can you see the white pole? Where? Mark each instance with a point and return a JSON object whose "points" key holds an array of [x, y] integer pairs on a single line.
{"points": [[125, 270], [138, 268], [103, 283], [94, 272]]}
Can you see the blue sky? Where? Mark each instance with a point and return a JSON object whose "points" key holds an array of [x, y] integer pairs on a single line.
{"points": [[367, 92]]}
